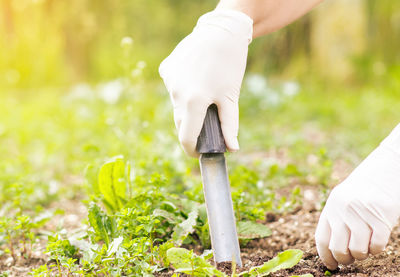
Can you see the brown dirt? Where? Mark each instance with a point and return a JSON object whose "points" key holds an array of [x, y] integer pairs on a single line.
{"points": [[225, 267], [296, 231], [71, 220]]}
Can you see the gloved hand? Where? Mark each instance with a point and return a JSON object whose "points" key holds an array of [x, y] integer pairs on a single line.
{"points": [[361, 212], [207, 67]]}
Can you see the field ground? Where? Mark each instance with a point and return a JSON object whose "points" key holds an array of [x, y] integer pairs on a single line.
{"points": [[55, 145], [293, 230]]}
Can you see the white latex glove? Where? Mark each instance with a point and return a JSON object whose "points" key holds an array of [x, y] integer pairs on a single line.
{"points": [[361, 212], [207, 67]]}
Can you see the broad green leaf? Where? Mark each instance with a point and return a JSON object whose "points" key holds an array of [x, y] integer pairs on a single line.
{"points": [[112, 183], [102, 225], [186, 227], [179, 257], [252, 230], [170, 217], [96, 221], [284, 260]]}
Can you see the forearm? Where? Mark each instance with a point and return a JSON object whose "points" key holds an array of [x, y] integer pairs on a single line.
{"points": [[270, 15]]}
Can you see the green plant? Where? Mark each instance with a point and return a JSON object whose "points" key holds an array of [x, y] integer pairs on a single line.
{"points": [[19, 233], [143, 195], [283, 260], [104, 226], [112, 184], [185, 261], [248, 230], [5, 274], [62, 252]]}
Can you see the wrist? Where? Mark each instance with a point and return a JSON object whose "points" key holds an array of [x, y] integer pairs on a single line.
{"points": [[241, 6], [246, 7], [235, 22]]}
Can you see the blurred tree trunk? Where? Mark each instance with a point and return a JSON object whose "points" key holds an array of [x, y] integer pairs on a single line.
{"points": [[8, 18], [384, 31], [79, 32], [338, 34]]}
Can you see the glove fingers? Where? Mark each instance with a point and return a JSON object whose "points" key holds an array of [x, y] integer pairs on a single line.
{"points": [[360, 235], [190, 127], [378, 229], [379, 240], [339, 243], [229, 117], [322, 237], [369, 211], [380, 235]]}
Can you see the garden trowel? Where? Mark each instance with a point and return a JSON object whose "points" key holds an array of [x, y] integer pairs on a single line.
{"points": [[217, 194]]}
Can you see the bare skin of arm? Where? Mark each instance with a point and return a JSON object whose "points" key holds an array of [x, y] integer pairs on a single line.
{"points": [[270, 15]]}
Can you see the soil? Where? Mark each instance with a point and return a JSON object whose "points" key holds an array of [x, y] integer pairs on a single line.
{"points": [[296, 231], [71, 221], [293, 230]]}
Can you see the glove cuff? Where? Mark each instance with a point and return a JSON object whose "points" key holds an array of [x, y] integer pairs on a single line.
{"points": [[235, 22], [393, 140]]}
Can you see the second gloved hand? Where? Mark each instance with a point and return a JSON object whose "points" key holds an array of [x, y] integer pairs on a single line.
{"points": [[207, 67], [361, 212]]}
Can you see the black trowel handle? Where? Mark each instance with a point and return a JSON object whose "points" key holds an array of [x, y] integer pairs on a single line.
{"points": [[211, 139]]}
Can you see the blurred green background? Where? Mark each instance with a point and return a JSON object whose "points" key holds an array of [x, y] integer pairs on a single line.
{"points": [[56, 43], [79, 83]]}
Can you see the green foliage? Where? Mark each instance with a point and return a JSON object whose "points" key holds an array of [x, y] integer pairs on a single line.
{"points": [[253, 193], [19, 233], [5, 274], [41, 271], [111, 183], [284, 260], [62, 252], [185, 261], [141, 228], [186, 227], [248, 230], [102, 224]]}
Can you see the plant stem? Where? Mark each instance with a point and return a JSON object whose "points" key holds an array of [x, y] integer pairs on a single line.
{"points": [[151, 249], [59, 268], [11, 246]]}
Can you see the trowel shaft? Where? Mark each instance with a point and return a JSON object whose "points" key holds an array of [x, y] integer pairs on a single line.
{"points": [[221, 218], [220, 213]]}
